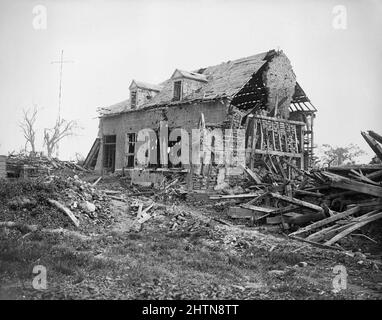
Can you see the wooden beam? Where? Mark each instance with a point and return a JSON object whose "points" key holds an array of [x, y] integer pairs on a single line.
{"points": [[316, 244], [297, 202], [375, 135], [66, 211], [336, 228], [374, 175], [353, 228], [341, 182], [309, 193], [257, 208], [234, 196], [326, 221], [278, 153], [374, 145], [252, 174], [359, 187], [299, 123]]}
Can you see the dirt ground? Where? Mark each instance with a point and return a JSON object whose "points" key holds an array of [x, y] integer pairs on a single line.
{"points": [[181, 252]]}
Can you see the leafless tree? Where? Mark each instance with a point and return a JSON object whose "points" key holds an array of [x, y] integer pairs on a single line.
{"points": [[61, 129], [27, 125], [338, 156]]}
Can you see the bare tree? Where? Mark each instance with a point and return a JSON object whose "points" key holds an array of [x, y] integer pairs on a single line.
{"points": [[27, 125], [61, 129], [338, 156]]}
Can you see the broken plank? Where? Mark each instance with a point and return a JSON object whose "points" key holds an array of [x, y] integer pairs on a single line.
{"points": [[286, 209], [252, 174], [258, 208], [262, 196], [336, 228], [297, 202], [341, 182], [316, 244], [375, 135], [353, 228], [243, 213], [326, 221], [234, 196], [374, 175], [374, 145], [117, 198], [95, 183], [66, 211], [358, 187], [309, 193]]}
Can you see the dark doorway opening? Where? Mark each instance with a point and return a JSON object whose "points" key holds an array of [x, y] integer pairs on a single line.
{"points": [[109, 148]]}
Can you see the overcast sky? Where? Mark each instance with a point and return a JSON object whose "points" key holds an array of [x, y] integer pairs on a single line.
{"points": [[113, 42]]}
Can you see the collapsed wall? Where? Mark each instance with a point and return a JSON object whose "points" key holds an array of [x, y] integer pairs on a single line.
{"points": [[280, 81]]}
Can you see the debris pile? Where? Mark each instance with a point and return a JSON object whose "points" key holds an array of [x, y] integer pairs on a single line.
{"points": [[325, 205], [54, 201], [21, 165]]}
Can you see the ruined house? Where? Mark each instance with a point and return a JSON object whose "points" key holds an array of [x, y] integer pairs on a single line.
{"points": [[258, 94]]}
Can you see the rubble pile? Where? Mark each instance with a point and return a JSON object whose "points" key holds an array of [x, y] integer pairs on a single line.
{"points": [[320, 206], [54, 201], [21, 165]]}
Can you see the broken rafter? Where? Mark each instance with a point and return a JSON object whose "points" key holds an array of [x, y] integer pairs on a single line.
{"points": [[326, 221], [374, 145], [298, 202], [66, 211], [353, 228], [375, 135], [252, 174], [234, 196], [341, 182]]}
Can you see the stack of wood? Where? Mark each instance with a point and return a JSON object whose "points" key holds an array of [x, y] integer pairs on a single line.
{"points": [[326, 204], [20, 165]]}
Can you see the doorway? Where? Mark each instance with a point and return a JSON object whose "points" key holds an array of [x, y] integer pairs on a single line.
{"points": [[109, 149]]}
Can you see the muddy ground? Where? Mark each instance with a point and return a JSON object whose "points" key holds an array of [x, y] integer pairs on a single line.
{"points": [[181, 252]]}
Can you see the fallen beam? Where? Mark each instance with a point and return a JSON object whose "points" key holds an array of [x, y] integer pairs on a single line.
{"points": [[66, 211], [326, 221], [234, 196], [336, 228], [258, 208], [297, 202], [316, 244], [252, 174], [374, 145], [353, 228], [375, 135], [341, 182], [95, 183]]}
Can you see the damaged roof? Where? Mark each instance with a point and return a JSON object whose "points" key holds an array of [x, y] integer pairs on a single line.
{"points": [[223, 80], [145, 85], [216, 82]]}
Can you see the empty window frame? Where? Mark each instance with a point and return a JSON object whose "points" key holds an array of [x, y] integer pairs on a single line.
{"points": [[133, 99], [177, 90]]}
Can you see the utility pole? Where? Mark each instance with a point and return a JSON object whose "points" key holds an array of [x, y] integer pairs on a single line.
{"points": [[61, 62]]}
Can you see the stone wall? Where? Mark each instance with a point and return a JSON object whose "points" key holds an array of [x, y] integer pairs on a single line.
{"points": [[182, 116]]}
